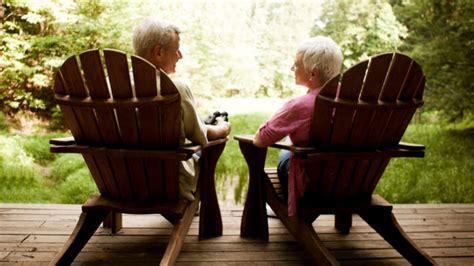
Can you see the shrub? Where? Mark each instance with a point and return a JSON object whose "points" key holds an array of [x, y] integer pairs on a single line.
{"points": [[77, 188]]}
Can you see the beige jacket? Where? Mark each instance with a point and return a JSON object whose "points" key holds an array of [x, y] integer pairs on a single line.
{"points": [[193, 130]]}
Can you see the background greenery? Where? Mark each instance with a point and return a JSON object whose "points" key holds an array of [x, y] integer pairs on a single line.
{"points": [[29, 173], [239, 47], [251, 60]]}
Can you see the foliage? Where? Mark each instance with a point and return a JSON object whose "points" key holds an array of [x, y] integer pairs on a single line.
{"points": [[20, 178], [35, 38], [77, 187], [37, 147], [237, 47], [443, 175], [251, 59], [440, 38], [362, 28], [65, 165], [231, 168]]}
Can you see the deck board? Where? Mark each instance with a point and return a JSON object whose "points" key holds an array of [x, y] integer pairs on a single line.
{"points": [[31, 234]]}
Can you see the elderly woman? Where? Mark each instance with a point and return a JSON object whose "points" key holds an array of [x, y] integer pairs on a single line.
{"points": [[317, 60], [159, 43]]}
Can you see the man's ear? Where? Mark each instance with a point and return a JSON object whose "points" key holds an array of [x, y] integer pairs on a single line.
{"points": [[157, 51]]}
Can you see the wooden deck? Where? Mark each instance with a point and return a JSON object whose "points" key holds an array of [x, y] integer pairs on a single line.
{"points": [[31, 234]]}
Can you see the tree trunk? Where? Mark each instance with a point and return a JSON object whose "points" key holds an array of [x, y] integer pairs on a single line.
{"points": [[1, 12]]}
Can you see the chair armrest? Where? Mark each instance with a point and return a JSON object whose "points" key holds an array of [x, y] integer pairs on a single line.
{"points": [[411, 146], [63, 141], [244, 138], [279, 145], [191, 148], [216, 142]]}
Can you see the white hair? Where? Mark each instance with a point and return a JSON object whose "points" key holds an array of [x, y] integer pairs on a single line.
{"points": [[323, 54], [152, 32]]}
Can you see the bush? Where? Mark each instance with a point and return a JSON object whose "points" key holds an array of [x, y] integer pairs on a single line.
{"points": [[443, 175], [20, 177], [37, 146], [77, 188], [65, 165]]}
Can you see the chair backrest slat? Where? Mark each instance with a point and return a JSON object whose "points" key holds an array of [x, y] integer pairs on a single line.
{"points": [[375, 77], [103, 108], [395, 78], [72, 78], [155, 178], [137, 170], [121, 176], [118, 73], [94, 74], [144, 75], [324, 122], [94, 169], [375, 103]]}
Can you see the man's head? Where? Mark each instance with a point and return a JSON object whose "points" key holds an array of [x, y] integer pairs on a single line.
{"points": [[158, 42], [318, 59]]}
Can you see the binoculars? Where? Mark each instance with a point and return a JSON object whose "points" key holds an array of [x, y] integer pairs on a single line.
{"points": [[213, 119]]}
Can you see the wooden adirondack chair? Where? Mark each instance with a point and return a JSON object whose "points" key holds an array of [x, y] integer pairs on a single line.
{"points": [[129, 137], [354, 134]]}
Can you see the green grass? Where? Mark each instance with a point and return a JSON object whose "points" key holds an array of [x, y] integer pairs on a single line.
{"points": [[231, 169], [30, 173], [445, 174]]}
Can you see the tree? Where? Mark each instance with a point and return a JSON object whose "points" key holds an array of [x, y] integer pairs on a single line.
{"points": [[36, 37], [362, 28], [440, 38]]}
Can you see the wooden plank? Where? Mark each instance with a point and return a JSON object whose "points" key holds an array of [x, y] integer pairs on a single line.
{"points": [[72, 78], [445, 231], [375, 77], [144, 75], [154, 178], [321, 128], [118, 73], [122, 177], [395, 78], [94, 74], [136, 169]]}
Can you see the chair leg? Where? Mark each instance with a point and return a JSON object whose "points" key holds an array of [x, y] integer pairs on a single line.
{"points": [[384, 222], [343, 222], [308, 238], [301, 229], [85, 228], [113, 221], [254, 222], [180, 230], [210, 220]]}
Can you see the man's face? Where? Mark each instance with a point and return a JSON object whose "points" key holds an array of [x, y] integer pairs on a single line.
{"points": [[170, 54], [302, 77]]}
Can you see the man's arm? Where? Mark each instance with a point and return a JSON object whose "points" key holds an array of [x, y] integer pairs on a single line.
{"points": [[218, 131]]}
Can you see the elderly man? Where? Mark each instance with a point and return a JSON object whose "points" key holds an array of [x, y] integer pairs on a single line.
{"points": [[158, 42], [317, 60]]}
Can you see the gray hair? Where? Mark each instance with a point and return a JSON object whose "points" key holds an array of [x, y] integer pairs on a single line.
{"points": [[150, 33], [323, 54]]}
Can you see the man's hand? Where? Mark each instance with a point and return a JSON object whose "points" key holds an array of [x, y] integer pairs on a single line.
{"points": [[221, 130]]}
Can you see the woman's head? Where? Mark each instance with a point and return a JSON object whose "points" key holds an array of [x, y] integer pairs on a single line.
{"points": [[320, 56]]}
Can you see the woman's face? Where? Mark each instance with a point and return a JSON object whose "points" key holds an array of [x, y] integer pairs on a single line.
{"points": [[302, 77]]}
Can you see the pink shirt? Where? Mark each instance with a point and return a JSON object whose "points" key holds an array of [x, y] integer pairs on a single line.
{"points": [[292, 119]]}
